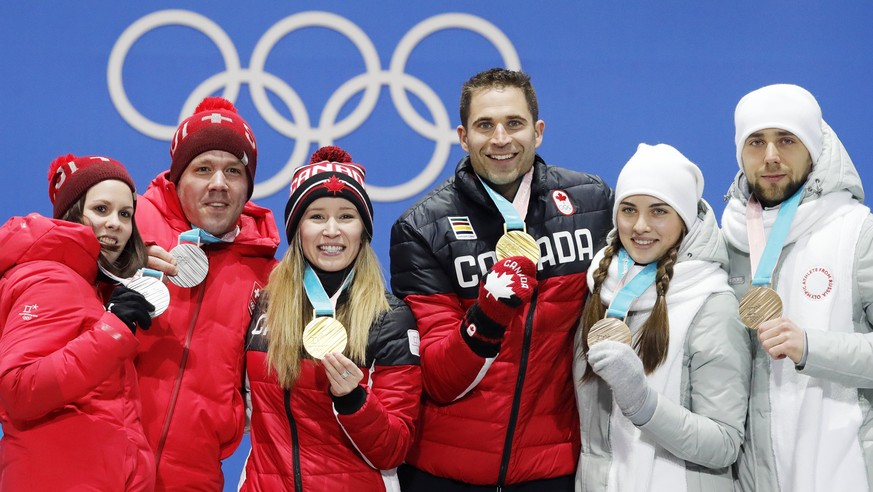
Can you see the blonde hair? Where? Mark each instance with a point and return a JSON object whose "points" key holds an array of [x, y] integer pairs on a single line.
{"points": [[654, 336], [289, 310]]}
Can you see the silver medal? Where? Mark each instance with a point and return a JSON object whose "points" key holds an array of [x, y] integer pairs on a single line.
{"points": [[154, 291], [192, 265]]}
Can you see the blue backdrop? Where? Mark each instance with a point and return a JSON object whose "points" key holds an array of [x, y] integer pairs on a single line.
{"points": [[382, 79]]}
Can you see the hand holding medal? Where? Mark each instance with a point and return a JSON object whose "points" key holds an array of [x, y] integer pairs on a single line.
{"points": [[343, 374], [149, 284], [609, 329]]}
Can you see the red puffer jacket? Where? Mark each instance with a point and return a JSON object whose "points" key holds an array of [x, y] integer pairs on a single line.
{"points": [[69, 402], [191, 363], [301, 440]]}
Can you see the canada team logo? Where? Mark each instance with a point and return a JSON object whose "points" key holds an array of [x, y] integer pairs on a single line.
{"points": [[817, 283], [562, 201]]}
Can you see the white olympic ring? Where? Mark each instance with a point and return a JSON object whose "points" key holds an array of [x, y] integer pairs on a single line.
{"points": [[329, 129]]}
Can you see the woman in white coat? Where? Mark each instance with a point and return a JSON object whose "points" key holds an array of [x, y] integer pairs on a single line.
{"points": [[664, 409]]}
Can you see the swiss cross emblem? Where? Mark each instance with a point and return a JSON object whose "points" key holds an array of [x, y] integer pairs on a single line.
{"points": [[254, 297], [562, 202]]}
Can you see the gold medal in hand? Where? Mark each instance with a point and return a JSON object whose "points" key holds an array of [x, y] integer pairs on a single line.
{"points": [[518, 243], [324, 335]]}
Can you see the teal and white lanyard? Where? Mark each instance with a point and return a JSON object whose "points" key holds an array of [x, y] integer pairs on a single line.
{"points": [[316, 294], [768, 258], [620, 305]]}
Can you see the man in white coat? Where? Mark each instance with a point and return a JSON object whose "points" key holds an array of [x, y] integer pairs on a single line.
{"points": [[796, 226]]}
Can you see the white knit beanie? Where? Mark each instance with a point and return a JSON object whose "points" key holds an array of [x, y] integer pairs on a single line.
{"points": [[663, 172], [785, 107]]}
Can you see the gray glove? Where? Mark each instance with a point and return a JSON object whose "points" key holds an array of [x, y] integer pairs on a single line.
{"points": [[620, 367]]}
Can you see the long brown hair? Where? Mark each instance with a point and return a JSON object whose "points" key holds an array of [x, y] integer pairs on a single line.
{"points": [[289, 310], [133, 256], [653, 340]]}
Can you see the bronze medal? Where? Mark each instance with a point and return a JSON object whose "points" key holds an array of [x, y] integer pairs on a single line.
{"points": [[609, 329], [154, 291], [324, 335], [760, 304], [518, 243], [192, 265]]}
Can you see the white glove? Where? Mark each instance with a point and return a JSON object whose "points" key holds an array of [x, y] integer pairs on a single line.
{"points": [[620, 367]]}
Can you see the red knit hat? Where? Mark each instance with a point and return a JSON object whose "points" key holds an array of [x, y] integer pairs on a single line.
{"points": [[330, 173], [215, 125], [70, 177]]}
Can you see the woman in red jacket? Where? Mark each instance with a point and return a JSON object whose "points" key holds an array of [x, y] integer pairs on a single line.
{"points": [[326, 414], [69, 401]]}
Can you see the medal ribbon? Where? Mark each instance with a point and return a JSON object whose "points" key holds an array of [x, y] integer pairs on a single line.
{"points": [[142, 272], [511, 216], [324, 305], [621, 303], [766, 260], [198, 236]]}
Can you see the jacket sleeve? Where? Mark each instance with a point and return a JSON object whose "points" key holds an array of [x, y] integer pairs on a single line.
{"points": [[847, 358], [382, 430], [710, 431], [51, 359], [449, 366]]}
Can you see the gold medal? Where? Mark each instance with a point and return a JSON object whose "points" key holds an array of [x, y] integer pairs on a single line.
{"points": [[518, 243], [324, 335], [760, 304], [609, 329]]}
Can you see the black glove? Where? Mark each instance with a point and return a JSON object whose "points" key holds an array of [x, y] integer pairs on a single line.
{"points": [[131, 308]]}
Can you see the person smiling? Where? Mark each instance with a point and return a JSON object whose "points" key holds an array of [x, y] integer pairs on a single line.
{"points": [[191, 365], [343, 418], [796, 227], [497, 323], [69, 401], [664, 409]]}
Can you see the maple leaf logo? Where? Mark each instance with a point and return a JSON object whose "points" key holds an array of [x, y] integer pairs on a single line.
{"points": [[334, 185], [560, 196], [498, 285]]}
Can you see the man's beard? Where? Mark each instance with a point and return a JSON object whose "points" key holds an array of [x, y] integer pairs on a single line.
{"points": [[771, 196]]}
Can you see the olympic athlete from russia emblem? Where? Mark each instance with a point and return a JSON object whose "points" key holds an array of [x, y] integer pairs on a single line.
{"points": [[562, 202]]}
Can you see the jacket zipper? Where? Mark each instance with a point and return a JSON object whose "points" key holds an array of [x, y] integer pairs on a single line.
{"points": [[178, 385], [295, 445], [516, 399]]}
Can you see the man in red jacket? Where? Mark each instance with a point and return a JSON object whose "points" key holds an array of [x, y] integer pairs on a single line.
{"points": [[497, 301], [221, 248]]}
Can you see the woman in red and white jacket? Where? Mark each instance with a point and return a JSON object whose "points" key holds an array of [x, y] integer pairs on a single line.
{"points": [[69, 400], [346, 421]]}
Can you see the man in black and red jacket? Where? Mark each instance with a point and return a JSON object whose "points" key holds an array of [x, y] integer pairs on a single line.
{"points": [[496, 354]]}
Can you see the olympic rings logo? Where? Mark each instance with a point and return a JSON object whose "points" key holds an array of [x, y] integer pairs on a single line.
{"points": [[441, 131]]}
